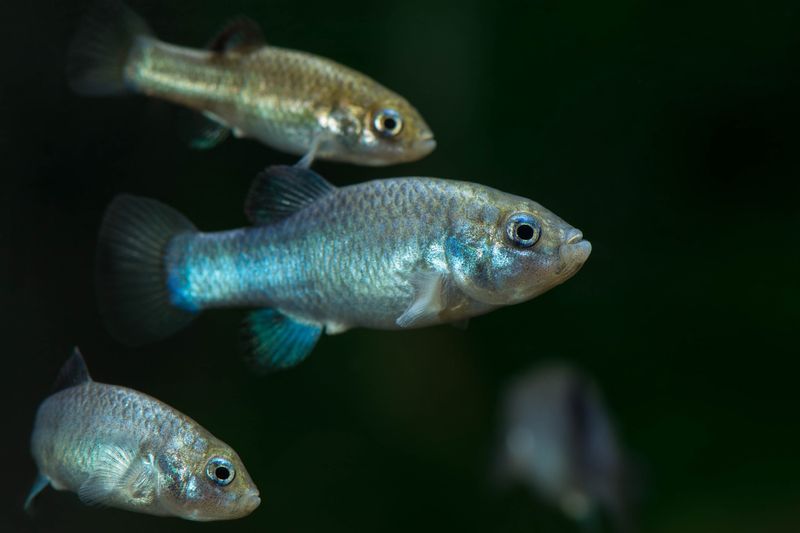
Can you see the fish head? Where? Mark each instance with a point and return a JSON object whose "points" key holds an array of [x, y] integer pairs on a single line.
{"points": [[380, 128], [206, 481], [505, 249]]}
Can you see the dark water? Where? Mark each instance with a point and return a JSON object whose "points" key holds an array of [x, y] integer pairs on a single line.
{"points": [[667, 131]]}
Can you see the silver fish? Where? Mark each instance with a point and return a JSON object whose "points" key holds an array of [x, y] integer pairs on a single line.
{"points": [[557, 437], [386, 254], [293, 101], [121, 448]]}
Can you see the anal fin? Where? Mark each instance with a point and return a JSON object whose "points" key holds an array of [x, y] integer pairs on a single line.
{"points": [[38, 486], [201, 131], [279, 341]]}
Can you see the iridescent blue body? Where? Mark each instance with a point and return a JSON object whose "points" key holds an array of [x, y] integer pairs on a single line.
{"points": [[385, 254], [348, 259]]}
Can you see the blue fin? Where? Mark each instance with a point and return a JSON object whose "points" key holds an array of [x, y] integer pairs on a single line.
{"points": [[38, 486], [278, 341], [240, 34], [281, 191], [131, 282], [72, 373]]}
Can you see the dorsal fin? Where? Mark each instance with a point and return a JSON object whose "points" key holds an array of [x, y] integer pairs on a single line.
{"points": [[282, 190], [73, 373], [239, 34]]}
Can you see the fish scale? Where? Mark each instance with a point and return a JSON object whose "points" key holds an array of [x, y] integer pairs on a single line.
{"points": [[291, 100], [386, 254], [121, 448], [67, 427], [279, 260]]}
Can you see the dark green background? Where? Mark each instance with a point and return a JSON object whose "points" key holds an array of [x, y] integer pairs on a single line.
{"points": [[667, 131]]}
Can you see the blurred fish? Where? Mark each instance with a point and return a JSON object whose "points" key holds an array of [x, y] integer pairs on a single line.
{"points": [[290, 100], [120, 448], [386, 254], [557, 438]]}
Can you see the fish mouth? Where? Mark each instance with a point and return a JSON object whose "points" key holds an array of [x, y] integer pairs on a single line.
{"points": [[425, 145], [250, 502], [574, 236], [574, 252]]}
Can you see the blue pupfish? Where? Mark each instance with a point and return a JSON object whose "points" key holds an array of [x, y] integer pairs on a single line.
{"points": [[386, 254]]}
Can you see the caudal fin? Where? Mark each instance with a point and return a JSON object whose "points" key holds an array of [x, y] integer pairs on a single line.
{"points": [[132, 290], [99, 53]]}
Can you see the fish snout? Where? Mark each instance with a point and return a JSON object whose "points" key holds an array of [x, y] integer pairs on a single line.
{"points": [[251, 501], [425, 145], [574, 235], [575, 250]]}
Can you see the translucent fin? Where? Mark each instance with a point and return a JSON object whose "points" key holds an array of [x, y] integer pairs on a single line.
{"points": [[280, 191], [239, 34], [428, 300], [461, 324], [38, 486], [201, 131], [277, 341], [308, 158], [117, 471], [72, 373], [131, 282], [98, 55]]}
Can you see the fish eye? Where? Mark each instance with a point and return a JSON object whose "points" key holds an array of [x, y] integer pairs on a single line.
{"points": [[387, 122], [220, 471], [523, 230]]}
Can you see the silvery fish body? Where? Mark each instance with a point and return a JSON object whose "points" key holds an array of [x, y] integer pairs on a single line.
{"points": [[293, 101], [121, 448], [558, 438], [386, 254]]}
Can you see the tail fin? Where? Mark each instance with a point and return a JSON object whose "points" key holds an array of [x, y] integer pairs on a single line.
{"points": [[132, 290], [99, 53]]}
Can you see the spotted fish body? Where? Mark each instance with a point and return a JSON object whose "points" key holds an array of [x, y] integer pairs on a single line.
{"points": [[291, 100], [121, 448], [386, 254]]}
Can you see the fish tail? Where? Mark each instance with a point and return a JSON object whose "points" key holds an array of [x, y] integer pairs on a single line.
{"points": [[132, 289], [99, 53]]}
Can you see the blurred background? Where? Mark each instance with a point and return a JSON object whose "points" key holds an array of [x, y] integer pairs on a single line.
{"points": [[666, 131]]}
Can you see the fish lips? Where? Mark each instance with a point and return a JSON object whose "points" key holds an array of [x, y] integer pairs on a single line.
{"points": [[425, 146], [574, 254]]}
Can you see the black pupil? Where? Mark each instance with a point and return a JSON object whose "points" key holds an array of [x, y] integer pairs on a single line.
{"points": [[525, 232], [389, 123], [222, 473]]}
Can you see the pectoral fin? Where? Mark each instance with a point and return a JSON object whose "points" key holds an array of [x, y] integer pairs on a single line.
{"points": [[118, 470], [279, 341], [429, 299], [308, 158]]}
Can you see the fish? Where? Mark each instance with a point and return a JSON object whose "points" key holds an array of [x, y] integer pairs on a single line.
{"points": [[386, 254], [117, 447], [557, 437], [290, 100]]}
